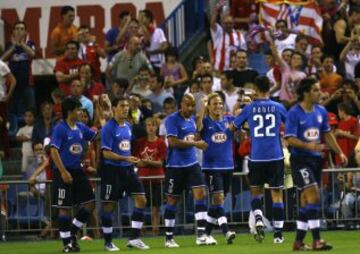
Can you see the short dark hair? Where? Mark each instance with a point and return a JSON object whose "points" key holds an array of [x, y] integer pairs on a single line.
{"points": [[206, 75], [228, 74], [19, 23], [123, 14], [172, 51], [73, 42], [345, 107], [169, 100], [159, 78], [300, 37], [281, 21], [262, 83], [289, 49], [69, 104], [116, 101], [122, 82], [326, 56], [148, 14], [66, 9], [304, 86], [32, 111]]}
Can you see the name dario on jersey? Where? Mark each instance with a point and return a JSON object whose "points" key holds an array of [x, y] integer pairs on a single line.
{"points": [[124, 145], [219, 138], [76, 149], [264, 109]]}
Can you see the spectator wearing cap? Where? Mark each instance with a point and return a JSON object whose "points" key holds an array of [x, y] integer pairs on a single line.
{"points": [[65, 31], [67, 67]]}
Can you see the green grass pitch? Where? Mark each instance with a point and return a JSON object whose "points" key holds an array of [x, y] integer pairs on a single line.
{"points": [[344, 242]]}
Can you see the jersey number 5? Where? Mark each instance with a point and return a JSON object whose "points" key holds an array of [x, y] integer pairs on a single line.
{"points": [[260, 130]]}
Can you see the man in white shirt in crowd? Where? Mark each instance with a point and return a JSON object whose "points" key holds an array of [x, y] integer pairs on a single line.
{"points": [[285, 39]]}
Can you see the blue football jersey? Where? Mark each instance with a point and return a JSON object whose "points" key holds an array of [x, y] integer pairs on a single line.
{"points": [[71, 142], [185, 129], [117, 139], [306, 126], [219, 153], [264, 118]]}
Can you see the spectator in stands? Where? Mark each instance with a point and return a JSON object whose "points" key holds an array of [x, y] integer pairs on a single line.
{"points": [[284, 38], [67, 67], [315, 61], [77, 91], [241, 10], [330, 81], [291, 73], [169, 107], [7, 87], [151, 151], [137, 112], [158, 93], [35, 170], [343, 28], [301, 46], [196, 65], [154, 38], [231, 92], [274, 75], [57, 97], [44, 123], [115, 39], [65, 31], [92, 86], [127, 63], [119, 88], [90, 51], [174, 73], [226, 40], [347, 132], [24, 136], [242, 73], [140, 83], [206, 82], [350, 55], [19, 54], [346, 93]]}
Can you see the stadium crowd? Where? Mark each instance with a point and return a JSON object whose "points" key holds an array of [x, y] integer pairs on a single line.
{"points": [[145, 80]]}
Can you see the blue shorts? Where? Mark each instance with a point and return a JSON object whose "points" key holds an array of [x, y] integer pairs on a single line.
{"points": [[218, 181], [117, 180], [178, 179], [305, 170], [270, 172]]}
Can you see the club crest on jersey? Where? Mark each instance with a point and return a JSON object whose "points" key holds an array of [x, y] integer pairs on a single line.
{"points": [[124, 145], [319, 119], [312, 134], [219, 138], [189, 137], [76, 149]]}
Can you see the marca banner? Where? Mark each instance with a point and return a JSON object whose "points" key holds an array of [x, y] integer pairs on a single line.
{"points": [[42, 16], [303, 16]]}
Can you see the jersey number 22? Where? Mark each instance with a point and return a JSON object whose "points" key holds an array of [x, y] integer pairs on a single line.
{"points": [[260, 130]]}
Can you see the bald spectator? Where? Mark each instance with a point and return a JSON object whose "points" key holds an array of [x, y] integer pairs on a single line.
{"points": [[67, 68], [234, 40], [127, 63], [64, 31]]}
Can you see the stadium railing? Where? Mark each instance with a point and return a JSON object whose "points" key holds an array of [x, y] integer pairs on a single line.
{"points": [[29, 212], [185, 22]]}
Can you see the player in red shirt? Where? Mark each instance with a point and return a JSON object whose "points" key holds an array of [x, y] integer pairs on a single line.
{"points": [[67, 67], [347, 132], [152, 152]]}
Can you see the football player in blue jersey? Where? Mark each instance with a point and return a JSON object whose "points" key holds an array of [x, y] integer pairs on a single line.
{"points": [[306, 126], [117, 175], [217, 161], [183, 169], [266, 163], [71, 186]]}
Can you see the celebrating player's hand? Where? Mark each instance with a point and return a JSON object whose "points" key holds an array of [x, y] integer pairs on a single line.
{"points": [[141, 163], [32, 180], [316, 147], [66, 176], [201, 144], [132, 159]]}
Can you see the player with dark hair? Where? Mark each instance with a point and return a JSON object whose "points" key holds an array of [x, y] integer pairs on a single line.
{"points": [[306, 125], [71, 186], [266, 163]]}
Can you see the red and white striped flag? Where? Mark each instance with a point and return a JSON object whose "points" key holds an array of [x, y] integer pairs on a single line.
{"points": [[301, 16]]}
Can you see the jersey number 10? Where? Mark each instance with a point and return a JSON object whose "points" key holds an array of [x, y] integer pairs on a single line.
{"points": [[264, 131]]}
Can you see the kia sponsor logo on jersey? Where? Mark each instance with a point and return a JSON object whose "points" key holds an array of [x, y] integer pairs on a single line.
{"points": [[76, 149], [124, 145], [219, 138], [189, 137], [312, 134]]}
